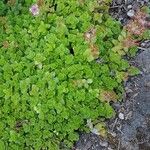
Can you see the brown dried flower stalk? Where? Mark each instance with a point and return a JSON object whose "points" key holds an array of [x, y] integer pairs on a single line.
{"points": [[89, 35], [138, 24], [129, 42], [94, 51]]}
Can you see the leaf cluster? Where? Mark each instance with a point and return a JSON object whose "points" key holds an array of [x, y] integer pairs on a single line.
{"points": [[57, 70]]}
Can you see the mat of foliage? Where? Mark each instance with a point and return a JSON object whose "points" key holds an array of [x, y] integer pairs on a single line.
{"points": [[58, 69]]}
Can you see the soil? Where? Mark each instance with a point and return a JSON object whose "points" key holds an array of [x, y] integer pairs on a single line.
{"points": [[120, 8], [132, 130]]}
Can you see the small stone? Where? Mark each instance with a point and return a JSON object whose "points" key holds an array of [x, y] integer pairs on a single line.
{"points": [[104, 144], [128, 90], [131, 13], [109, 148], [121, 116], [129, 6]]}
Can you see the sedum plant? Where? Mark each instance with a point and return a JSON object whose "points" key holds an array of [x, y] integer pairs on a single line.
{"points": [[58, 68]]}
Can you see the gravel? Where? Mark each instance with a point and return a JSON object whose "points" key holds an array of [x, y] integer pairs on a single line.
{"points": [[131, 13], [121, 116]]}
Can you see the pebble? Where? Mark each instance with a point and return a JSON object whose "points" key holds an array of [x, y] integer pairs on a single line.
{"points": [[131, 13], [128, 90], [109, 148], [121, 116], [104, 144], [129, 6]]}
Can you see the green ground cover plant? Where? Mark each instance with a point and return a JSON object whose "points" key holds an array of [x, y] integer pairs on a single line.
{"points": [[60, 65]]}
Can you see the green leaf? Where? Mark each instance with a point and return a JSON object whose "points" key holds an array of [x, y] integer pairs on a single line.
{"points": [[101, 128], [42, 28], [88, 55], [72, 20], [2, 145], [109, 111], [73, 136], [132, 71], [13, 136]]}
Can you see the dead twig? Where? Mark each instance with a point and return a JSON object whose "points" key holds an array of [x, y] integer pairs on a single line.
{"points": [[116, 120], [119, 145]]}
